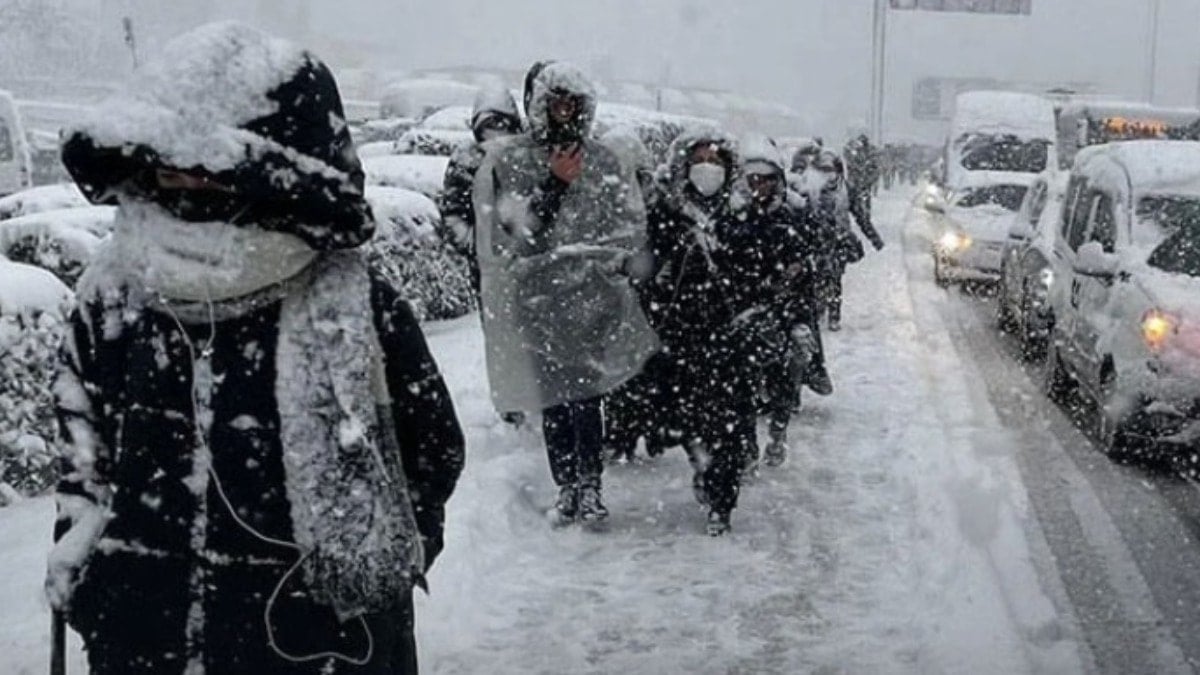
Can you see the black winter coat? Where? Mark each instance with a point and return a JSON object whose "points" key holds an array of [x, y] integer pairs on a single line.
{"points": [[137, 589]]}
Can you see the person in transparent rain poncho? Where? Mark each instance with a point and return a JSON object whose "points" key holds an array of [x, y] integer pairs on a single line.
{"points": [[560, 233], [258, 445]]}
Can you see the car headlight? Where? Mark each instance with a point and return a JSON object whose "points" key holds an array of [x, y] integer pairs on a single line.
{"points": [[953, 242], [1047, 278], [1157, 326]]}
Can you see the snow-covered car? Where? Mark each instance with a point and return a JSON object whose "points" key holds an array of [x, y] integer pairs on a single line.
{"points": [[419, 98], [450, 118], [40, 199], [26, 289], [1026, 276], [411, 213], [419, 173], [971, 227], [61, 242], [374, 131], [1126, 297], [16, 164], [433, 142]]}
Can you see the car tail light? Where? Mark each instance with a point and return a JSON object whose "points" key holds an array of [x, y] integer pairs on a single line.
{"points": [[1157, 326]]}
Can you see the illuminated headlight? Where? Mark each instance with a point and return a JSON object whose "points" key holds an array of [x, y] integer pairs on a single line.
{"points": [[1157, 326], [953, 242], [1047, 278]]}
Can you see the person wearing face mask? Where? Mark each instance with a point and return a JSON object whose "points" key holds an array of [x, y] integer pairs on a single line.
{"points": [[561, 235], [695, 305], [775, 268], [258, 445], [494, 117]]}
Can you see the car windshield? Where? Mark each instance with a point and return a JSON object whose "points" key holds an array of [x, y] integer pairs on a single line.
{"points": [[1178, 217], [1004, 153], [1008, 197]]}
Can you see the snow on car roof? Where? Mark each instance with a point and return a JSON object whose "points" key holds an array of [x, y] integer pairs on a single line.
{"points": [[25, 288], [401, 207], [79, 231], [450, 118], [422, 173], [41, 198], [1112, 108], [1152, 165], [1004, 112]]}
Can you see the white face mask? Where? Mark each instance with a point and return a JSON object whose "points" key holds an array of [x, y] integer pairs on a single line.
{"points": [[708, 179], [204, 261]]}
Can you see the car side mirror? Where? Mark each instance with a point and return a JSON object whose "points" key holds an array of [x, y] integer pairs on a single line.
{"points": [[1093, 261], [1020, 231], [934, 206]]}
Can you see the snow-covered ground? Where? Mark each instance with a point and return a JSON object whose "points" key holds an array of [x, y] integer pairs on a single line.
{"points": [[898, 538]]}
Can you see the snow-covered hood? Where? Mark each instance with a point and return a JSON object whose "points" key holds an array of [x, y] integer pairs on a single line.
{"points": [[554, 80], [988, 222], [230, 103]]}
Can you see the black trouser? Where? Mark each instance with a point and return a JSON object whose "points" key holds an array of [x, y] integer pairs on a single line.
{"points": [[634, 411], [574, 435], [713, 412]]}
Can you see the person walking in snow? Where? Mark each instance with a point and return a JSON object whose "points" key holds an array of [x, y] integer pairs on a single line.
{"points": [[629, 413], [493, 117], [561, 230], [825, 187], [776, 269], [862, 176], [709, 301], [259, 446]]}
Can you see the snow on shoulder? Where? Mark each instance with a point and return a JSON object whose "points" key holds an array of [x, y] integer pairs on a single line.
{"points": [[25, 289], [189, 102]]}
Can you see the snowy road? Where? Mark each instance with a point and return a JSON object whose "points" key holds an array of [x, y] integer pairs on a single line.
{"points": [[936, 515]]}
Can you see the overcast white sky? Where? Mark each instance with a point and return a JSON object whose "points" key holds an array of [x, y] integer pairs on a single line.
{"points": [[813, 54]]}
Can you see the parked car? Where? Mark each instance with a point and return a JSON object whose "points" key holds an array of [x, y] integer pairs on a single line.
{"points": [[40, 199], [1126, 296], [16, 165], [61, 242], [419, 173], [970, 227], [1026, 276]]}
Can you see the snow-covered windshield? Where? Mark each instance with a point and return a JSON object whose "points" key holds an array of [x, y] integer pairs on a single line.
{"points": [[1178, 218], [985, 152], [1008, 197]]}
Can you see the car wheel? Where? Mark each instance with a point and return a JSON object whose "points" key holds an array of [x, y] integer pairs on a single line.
{"points": [[1005, 321], [1111, 433], [1033, 339], [1056, 381], [938, 278]]}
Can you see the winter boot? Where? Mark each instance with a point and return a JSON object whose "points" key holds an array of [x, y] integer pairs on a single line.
{"points": [[817, 379], [835, 318], [776, 452], [566, 507], [591, 509], [718, 524]]}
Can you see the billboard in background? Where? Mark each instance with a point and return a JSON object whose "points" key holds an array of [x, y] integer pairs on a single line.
{"points": [[973, 6], [933, 97]]}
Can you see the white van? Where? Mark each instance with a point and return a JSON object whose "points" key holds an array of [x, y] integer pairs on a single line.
{"points": [[16, 165], [999, 132]]}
